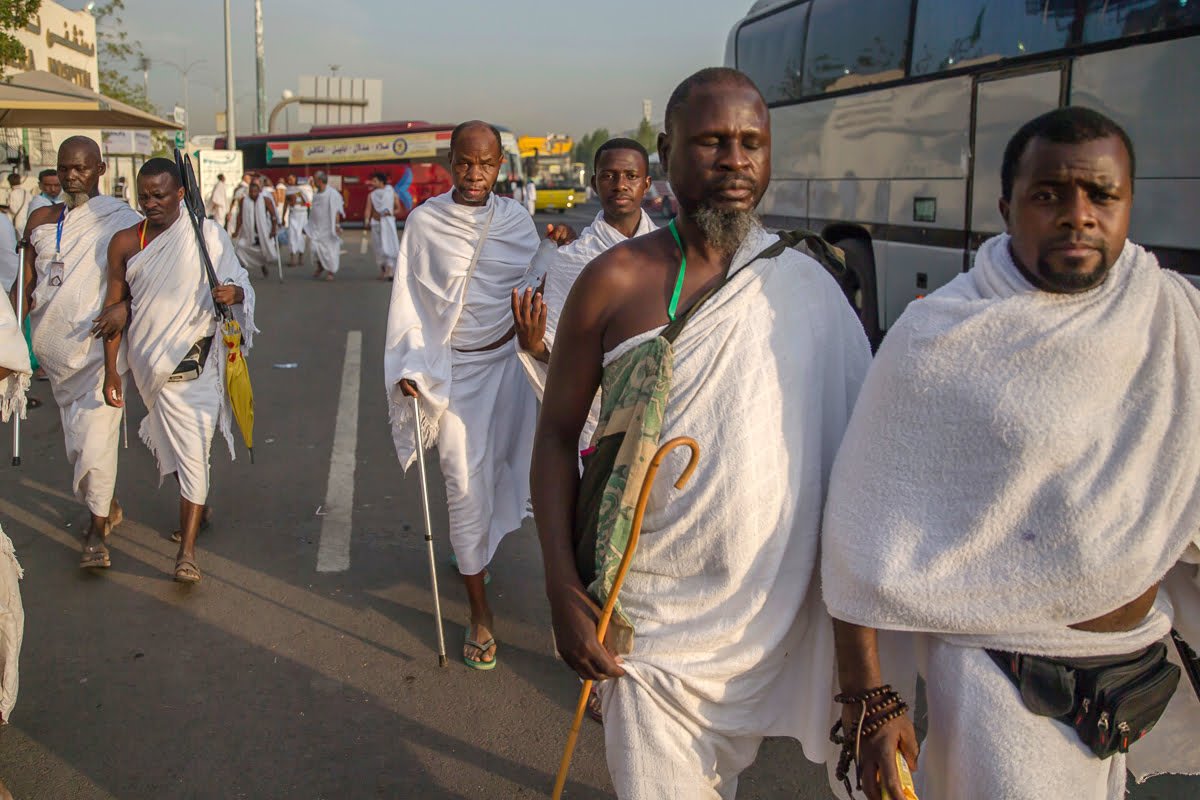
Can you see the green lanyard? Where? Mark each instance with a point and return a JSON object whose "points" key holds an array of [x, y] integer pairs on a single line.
{"points": [[671, 309]]}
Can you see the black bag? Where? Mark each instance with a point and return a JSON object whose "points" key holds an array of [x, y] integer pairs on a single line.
{"points": [[1111, 702], [193, 363]]}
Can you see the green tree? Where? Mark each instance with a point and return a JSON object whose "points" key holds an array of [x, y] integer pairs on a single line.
{"points": [[116, 53], [14, 15], [647, 135], [586, 146]]}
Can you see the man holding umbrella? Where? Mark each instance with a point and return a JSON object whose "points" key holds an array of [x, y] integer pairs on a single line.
{"points": [[157, 265]]}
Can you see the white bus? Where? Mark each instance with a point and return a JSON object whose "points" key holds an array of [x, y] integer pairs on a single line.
{"points": [[889, 120]]}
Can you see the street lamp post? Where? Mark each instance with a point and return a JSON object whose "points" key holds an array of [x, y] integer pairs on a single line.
{"points": [[187, 105], [230, 126]]}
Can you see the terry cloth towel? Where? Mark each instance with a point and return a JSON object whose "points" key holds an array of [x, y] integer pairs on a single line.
{"points": [[454, 277], [14, 355], [12, 625], [568, 261], [256, 225], [385, 244], [172, 308], [452, 291], [296, 223], [732, 638], [62, 316], [1008, 437]]}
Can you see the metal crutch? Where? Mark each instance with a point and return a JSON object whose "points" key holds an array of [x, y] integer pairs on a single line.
{"points": [[437, 603], [278, 261], [16, 442]]}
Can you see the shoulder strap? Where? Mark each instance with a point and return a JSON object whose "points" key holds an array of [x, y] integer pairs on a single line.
{"points": [[831, 257], [487, 225]]}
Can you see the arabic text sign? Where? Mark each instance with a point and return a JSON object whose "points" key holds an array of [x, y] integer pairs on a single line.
{"points": [[365, 148]]}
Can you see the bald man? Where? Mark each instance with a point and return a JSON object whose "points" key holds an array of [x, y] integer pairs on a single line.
{"points": [[714, 330], [451, 344], [66, 272]]}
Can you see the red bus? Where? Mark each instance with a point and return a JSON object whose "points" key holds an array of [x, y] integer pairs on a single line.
{"points": [[416, 153]]}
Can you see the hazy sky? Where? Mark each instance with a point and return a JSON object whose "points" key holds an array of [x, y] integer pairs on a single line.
{"points": [[537, 67]]}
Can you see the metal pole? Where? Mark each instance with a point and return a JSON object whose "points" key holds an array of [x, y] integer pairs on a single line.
{"points": [[259, 70], [437, 603], [230, 122], [16, 436], [187, 110]]}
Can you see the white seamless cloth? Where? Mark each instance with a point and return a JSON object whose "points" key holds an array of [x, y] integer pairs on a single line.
{"points": [[732, 637], [441, 302], [62, 316]]}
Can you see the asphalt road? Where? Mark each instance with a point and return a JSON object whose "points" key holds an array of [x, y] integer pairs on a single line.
{"points": [[271, 679]]}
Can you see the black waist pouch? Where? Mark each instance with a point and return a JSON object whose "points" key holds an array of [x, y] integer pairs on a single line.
{"points": [[193, 363], [1111, 702]]}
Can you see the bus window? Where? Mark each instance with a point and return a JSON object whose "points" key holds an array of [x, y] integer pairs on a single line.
{"points": [[954, 33], [771, 51], [854, 43], [1120, 18]]}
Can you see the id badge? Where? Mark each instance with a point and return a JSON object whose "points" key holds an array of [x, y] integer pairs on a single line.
{"points": [[54, 273]]}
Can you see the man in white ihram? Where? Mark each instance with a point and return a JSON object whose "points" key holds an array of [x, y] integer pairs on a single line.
{"points": [[257, 225], [450, 343], [65, 276], [15, 373], [174, 345], [382, 207], [1016, 501], [621, 176], [325, 215], [218, 201]]}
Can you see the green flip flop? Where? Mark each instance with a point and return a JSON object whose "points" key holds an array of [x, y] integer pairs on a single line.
{"points": [[483, 647]]}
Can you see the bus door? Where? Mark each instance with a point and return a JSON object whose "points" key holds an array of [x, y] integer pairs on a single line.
{"points": [[1002, 102]]}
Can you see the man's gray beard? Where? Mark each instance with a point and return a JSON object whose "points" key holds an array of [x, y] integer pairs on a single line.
{"points": [[75, 199], [725, 231]]}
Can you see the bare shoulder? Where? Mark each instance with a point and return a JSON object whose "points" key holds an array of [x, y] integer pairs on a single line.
{"points": [[124, 242], [629, 266], [46, 215]]}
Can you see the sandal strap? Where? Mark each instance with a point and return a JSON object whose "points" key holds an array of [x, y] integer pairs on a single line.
{"points": [[484, 647]]}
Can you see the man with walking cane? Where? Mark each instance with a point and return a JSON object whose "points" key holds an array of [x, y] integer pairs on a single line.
{"points": [[712, 329], [64, 281], [451, 344]]}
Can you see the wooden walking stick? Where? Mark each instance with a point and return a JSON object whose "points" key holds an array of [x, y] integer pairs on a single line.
{"points": [[639, 511]]}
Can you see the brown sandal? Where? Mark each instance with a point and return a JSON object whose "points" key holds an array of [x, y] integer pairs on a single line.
{"points": [[186, 571], [95, 556]]}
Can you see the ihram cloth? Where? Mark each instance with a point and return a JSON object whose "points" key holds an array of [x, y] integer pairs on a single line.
{"points": [[61, 322], [569, 260], [385, 244], [478, 406], [14, 355], [1021, 461], [172, 308], [733, 642], [12, 625], [297, 222], [322, 228], [256, 247]]}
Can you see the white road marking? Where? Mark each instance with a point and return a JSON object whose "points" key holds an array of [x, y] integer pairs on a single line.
{"points": [[333, 553]]}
